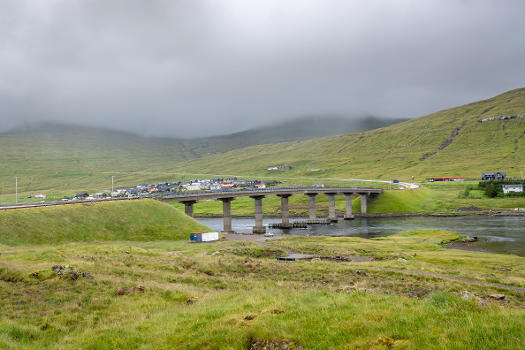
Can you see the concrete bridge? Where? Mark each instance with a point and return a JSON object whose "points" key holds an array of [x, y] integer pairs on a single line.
{"points": [[227, 196]]}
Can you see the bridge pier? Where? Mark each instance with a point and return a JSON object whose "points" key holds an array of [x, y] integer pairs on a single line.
{"points": [[332, 216], [259, 227], [226, 215], [364, 204], [311, 207], [285, 213], [188, 207], [348, 212]]}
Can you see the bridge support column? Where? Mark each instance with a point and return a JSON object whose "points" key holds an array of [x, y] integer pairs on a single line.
{"points": [[285, 213], [311, 207], [331, 207], [259, 227], [348, 212], [364, 204], [188, 207], [226, 215]]}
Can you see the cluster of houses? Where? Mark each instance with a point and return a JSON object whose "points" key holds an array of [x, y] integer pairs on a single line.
{"points": [[142, 190], [222, 184]]}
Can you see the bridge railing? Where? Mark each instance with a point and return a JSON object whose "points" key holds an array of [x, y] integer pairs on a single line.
{"points": [[262, 190], [190, 193]]}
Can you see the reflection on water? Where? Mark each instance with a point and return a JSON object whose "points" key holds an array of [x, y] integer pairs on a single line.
{"points": [[501, 234]]}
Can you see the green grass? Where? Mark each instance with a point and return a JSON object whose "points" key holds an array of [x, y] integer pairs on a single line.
{"points": [[422, 248], [142, 220], [196, 300]]}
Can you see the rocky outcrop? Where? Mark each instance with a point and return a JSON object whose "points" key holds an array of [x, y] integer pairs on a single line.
{"points": [[446, 143], [501, 117]]}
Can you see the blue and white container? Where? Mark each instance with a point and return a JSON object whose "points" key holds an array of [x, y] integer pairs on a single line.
{"points": [[198, 237]]}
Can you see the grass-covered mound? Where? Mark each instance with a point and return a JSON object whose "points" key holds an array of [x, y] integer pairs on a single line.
{"points": [[137, 220]]}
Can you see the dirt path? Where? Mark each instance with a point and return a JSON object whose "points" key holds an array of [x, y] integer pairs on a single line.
{"points": [[265, 241]]}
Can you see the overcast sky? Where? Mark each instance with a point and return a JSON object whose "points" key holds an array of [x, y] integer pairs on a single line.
{"points": [[192, 68]]}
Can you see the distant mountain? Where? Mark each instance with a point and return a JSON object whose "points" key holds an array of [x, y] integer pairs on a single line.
{"points": [[53, 155], [296, 129]]}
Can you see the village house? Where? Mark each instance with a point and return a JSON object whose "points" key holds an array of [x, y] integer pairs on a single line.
{"points": [[512, 188]]}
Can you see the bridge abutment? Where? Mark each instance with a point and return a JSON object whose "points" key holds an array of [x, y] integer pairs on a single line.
{"points": [[285, 212], [311, 206], [226, 215], [332, 216], [188, 207], [348, 212], [259, 227], [364, 204]]}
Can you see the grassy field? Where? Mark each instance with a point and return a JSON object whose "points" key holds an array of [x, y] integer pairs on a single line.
{"points": [[235, 295], [61, 160], [141, 220]]}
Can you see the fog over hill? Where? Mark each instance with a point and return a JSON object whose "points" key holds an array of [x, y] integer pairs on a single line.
{"points": [[295, 129], [202, 68], [56, 155]]}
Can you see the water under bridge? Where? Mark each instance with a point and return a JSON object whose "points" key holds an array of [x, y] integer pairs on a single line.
{"points": [[227, 196]]}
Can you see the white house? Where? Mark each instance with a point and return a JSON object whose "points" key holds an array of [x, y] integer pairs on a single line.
{"points": [[512, 188], [215, 187], [196, 186]]}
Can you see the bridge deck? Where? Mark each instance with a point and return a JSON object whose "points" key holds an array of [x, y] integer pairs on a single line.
{"points": [[203, 195]]}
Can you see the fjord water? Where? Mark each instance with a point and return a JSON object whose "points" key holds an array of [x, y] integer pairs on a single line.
{"points": [[499, 234]]}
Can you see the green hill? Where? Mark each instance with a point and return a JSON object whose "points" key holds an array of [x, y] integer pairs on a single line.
{"points": [[451, 142], [61, 160], [137, 220], [67, 158]]}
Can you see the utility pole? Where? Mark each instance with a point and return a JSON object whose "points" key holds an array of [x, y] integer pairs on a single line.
{"points": [[111, 184], [16, 189]]}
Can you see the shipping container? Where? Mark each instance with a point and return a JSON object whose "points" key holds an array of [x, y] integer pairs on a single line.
{"points": [[204, 236]]}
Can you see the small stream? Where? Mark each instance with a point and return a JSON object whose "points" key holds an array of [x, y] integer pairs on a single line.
{"points": [[498, 234]]}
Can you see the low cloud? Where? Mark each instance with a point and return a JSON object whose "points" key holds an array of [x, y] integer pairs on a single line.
{"points": [[193, 68]]}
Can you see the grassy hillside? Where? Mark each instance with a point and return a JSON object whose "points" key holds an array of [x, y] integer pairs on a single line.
{"points": [[138, 220], [396, 151], [236, 295], [67, 158], [63, 159]]}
